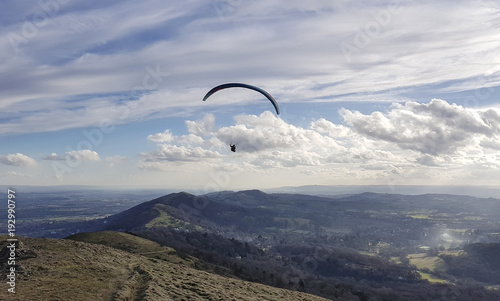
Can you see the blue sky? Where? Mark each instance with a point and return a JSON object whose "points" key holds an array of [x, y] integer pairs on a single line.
{"points": [[371, 92]]}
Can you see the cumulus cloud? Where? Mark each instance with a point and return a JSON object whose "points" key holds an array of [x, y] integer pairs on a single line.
{"points": [[263, 141], [433, 128], [404, 138], [166, 136], [81, 155], [202, 128], [333, 130], [54, 157], [265, 132], [174, 153], [17, 159]]}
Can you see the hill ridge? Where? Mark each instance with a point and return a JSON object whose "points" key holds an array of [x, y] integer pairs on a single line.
{"points": [[65, 269]]}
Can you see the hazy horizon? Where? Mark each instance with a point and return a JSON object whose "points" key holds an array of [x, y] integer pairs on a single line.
{"points": [[330, 190]]}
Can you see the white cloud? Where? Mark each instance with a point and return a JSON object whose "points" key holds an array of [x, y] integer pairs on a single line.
{"points": [[173, 153], [435, 128], [166, 136], [410, 143], [78, 156], [268, 142], [202, 128], [124, 62], [17, 159], [333, 130], [83, 155], [292, 48], [54, 157]]}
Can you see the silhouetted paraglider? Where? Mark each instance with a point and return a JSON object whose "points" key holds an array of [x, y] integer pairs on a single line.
{"points": [[240, 85]]}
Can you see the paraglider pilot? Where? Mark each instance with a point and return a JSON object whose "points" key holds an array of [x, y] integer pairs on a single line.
{"points": [[233, 147]]}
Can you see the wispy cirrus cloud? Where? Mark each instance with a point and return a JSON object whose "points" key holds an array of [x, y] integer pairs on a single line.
{"points": [[129, 64], [100, 52]]}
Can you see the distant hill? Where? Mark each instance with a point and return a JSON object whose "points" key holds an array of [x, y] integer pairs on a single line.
{"points": [[171, 210], [334, 190], [366, 246], [209, 213], [142, 214], [345, 246], [259, 212], [63, 269]]}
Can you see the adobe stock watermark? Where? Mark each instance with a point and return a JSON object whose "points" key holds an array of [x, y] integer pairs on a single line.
{"points": [[225, 8], [12, 240], [480, 94], [370, 31], [219, 180], [429, 150], [296, 275], [93, 138], [48, 9]]}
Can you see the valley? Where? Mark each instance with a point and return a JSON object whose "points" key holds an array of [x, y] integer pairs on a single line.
{"points": [[367, 246]]}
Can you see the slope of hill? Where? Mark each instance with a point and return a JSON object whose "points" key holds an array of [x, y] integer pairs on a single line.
{"points": [[138, 245], [258, 212], [345, 246], [176, 209], [56, 269], [132, 244], [349, 247], [243, 211]]}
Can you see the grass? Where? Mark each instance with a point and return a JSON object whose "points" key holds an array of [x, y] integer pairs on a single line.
{"points": [[452, 253], [131, 244], [432, 279], [165, 220], [493, 287], [59, 265], [424, 262], [395, 260], [427, 265], [368, 253], [64, 269]]}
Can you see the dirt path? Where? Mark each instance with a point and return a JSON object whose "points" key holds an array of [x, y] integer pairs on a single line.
{"points": [[135, 287]]}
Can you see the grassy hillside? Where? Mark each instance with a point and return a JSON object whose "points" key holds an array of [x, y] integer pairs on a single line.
{"points": [[319, 245], [63, 269], [138, 245], [132, 244], [157, 213]]}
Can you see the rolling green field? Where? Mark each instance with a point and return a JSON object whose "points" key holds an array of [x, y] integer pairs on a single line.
{"points": [[425, 262]]}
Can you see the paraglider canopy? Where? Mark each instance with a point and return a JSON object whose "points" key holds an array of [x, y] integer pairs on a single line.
{"points": [[240, 85]]}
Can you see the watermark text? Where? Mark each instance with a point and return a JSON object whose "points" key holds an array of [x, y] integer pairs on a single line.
{"points": [[12, 240]]}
